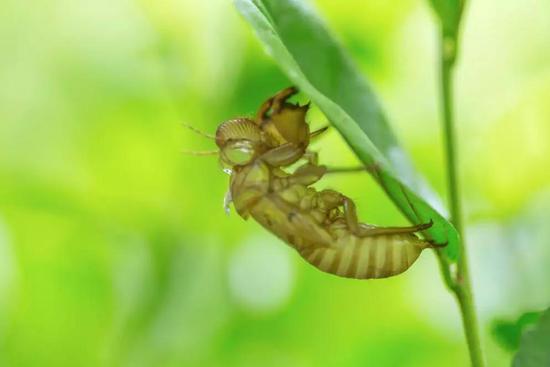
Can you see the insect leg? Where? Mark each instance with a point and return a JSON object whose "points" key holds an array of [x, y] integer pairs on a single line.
{"points": [[280, 98], [373, 169], [333, 199], [350, 214], [376, 231], [261, 115], [307, 174], [346, 169], [274, 103], [283, 155], [318, 132], [362, 230], [311, 157]]}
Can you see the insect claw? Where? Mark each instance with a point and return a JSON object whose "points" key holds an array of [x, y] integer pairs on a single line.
{"points": [[427, 225], [318, 132], [373, 168], [287, 92], [437, 245]]}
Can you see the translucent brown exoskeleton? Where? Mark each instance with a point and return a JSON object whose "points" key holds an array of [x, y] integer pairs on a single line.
{"points": [[321, 225]]}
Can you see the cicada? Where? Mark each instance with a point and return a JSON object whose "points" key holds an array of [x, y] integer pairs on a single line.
{"points": [[321, 225]]}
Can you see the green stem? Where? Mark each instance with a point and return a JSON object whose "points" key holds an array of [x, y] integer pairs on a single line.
{"points": [[460, 286]]}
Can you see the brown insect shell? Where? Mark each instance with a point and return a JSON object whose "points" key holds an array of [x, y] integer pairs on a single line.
{"points": [[242, 141], [287, 125], [249, 184]]}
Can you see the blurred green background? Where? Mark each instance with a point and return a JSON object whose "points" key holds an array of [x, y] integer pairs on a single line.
{"points": [[115, 249]]}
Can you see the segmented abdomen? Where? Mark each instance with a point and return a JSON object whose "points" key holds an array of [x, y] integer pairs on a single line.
{"points": [[366, 257]]}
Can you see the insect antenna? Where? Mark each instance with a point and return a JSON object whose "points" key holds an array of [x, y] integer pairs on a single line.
{"points": [[200, 153], [198, 132]]}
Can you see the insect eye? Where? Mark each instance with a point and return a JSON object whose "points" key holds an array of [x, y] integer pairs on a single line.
{"points": [[238, 152]]}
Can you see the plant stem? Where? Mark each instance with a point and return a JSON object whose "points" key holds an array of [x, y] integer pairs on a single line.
{"points": [[461, 286]]}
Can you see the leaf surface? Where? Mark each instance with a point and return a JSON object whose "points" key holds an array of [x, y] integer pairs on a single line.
{"points": [[534, 349], [508, 333]]}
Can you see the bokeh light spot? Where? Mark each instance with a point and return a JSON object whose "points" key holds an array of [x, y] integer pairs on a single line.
{"points": [[260, 274]]}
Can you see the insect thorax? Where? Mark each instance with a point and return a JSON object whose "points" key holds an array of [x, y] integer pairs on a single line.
{"points": [[248, 185]]}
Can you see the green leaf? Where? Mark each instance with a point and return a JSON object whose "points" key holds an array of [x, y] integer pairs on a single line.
{"points": [[307, 53], [508, 333], [534, 349]]}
